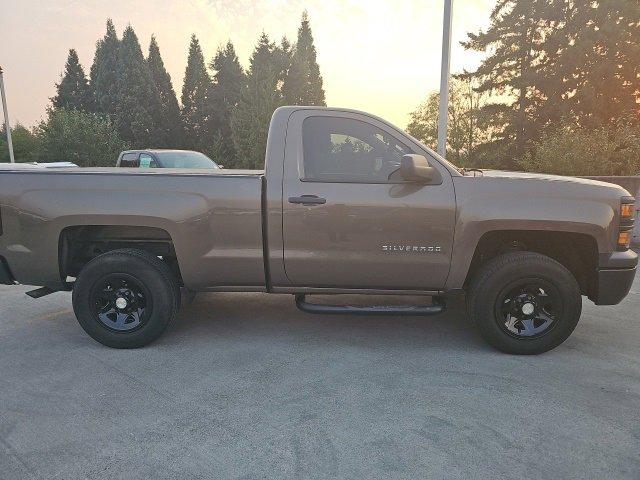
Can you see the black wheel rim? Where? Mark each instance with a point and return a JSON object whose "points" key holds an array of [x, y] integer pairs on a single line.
{"points": [[528, 308], [120, 302]]}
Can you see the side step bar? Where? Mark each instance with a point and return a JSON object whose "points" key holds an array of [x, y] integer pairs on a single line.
{"points": [[302, 304], [40, 292]]}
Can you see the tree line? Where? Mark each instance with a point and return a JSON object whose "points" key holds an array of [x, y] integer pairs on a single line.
{"points": [[558, 92], [128, 101]]}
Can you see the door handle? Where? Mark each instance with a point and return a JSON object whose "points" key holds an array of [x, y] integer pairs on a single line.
{"points": [[308, 200]]}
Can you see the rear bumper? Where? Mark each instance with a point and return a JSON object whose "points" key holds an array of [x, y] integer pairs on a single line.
{"points": [[5, 274], [614, 283]]}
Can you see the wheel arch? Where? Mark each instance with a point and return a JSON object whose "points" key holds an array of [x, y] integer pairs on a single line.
{"points": [[578, 252], [79, 244]]}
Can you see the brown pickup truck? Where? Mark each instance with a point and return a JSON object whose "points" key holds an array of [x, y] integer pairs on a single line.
{"points": [[347, 204]]}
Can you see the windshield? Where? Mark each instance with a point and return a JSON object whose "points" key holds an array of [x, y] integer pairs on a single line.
{"points": [[181, 159]]}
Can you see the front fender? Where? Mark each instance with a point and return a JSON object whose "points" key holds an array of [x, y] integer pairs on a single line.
{"points": [[478, 216]]}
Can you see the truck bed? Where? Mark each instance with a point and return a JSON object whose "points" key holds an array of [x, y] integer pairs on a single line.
{"points": [[212, 217]]}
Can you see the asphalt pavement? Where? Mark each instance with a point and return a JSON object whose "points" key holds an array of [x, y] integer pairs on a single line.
{"points": [[244, 386]]}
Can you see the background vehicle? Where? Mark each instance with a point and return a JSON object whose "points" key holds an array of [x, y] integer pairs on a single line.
{"points": [[347, 204], [164, 159]]}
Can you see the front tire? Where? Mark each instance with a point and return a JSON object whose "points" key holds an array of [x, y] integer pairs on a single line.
{"points": [[524, 303], [125, 298]]}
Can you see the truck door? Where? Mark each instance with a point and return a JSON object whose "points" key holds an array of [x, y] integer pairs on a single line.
{"points": [[348, 221]]}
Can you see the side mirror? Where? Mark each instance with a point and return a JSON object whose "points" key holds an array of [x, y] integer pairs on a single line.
{"points": [[415, 168]]}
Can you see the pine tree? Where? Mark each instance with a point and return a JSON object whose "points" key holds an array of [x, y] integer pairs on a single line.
{"points": [[138, 101], [73, 90], [228, 82], [168, 122], [285, 52], [592, 61], [303, 83], [197, 107], [250, 119], [104, 72], [514, 38]]}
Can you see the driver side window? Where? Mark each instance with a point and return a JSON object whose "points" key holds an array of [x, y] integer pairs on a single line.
{"points": [[347, 150]]}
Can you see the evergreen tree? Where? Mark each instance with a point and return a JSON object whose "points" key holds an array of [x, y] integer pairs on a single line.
{"points": [[250, 119], [285, 52], [104, 72], [303, 83], [73, 90], [168, 122], [138, 102], [228, 82], [592, 61], [560, 61], [514, 38], [197, 103]]}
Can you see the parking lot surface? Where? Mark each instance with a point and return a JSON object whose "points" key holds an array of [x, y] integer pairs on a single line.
{"points": [[245, 386]]}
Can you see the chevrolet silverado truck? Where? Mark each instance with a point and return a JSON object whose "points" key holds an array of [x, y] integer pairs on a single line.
{"points": [[347, 204]]}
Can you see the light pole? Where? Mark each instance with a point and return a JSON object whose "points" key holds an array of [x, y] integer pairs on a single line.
{"points": [[444, 78], [6, 117]]}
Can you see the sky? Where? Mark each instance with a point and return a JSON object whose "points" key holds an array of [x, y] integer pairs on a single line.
{"points": [[374, 55]]}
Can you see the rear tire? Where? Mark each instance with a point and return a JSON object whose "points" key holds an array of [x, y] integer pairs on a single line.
{"points": [[125, 298], [524, 303]]}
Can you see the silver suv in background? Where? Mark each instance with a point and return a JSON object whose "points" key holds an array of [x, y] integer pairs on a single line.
{"points": [[165, 159]]}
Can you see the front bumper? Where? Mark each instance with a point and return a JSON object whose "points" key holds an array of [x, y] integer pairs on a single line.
{"points": [[616, 273]]}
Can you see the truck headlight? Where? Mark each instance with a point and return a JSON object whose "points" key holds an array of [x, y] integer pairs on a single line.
{"points": [[626, 210], [627, 214]]}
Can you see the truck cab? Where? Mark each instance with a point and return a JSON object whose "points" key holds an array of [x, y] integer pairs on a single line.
{"points": [[349, 219]]}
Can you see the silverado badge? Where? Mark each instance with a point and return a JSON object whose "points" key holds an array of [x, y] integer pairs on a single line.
{"points": [[412, 248]]}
